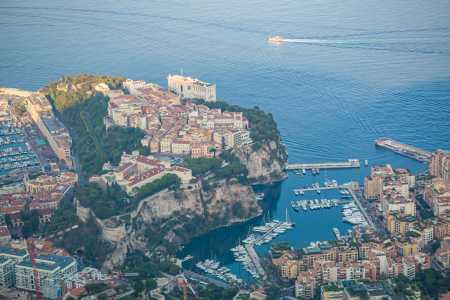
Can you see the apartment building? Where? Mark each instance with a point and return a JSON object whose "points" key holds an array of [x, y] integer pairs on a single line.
{"points": [[440, 165], [9, 257], [51, 269], [51, 128], [437, 195]]}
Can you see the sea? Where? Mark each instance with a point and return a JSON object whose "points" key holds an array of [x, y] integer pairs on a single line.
{"points": [[352, 71]]}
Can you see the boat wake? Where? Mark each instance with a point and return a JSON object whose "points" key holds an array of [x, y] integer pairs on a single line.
{"points": [[417, 44]]}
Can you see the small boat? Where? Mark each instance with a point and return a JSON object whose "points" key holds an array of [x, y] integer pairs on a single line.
{"points": [[275, 39]]}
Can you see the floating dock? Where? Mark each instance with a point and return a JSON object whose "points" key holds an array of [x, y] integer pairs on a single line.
{"points": [[403, 149], [351, 163]]}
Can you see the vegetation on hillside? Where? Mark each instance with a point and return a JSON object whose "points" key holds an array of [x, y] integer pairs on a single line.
{"points": [[104, 203], [72, 90], [168, 180], [231, 166], [93, 145], [64, 217], [202, 165], [86, 241], [430, 282]]}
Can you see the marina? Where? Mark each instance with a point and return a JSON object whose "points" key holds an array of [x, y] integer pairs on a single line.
{"points": [[403, 149], [328, 185], [213, 268], [15, 152], [314, 204], [350, 163], [246, 254]]}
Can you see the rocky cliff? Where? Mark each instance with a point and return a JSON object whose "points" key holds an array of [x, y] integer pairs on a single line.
{"points": [[265, 165], [165, 221]]}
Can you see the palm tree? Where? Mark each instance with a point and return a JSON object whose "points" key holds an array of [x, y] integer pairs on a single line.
{"points": [[212, 150]]}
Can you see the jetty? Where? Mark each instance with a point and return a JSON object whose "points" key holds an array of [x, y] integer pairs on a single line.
{"points": [[255, 260], [404, 149], [350, 163], [316, 187], [361, 208]]}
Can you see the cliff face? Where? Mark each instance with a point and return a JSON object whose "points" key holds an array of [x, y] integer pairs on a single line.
{"points": [[266, 165], [167, 220]]}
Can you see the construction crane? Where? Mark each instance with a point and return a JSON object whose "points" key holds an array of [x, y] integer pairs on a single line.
{"points": [[37, 281], [184, 284]]}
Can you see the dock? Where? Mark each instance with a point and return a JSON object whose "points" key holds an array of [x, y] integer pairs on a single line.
{"points": [[351, 163], [404, 149], [255, 260], [344, 186], [314, 189], [361, 208]]}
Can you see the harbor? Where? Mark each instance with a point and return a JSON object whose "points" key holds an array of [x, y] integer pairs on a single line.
{"points": [[263, 234], [338, 187], [403, 149]]}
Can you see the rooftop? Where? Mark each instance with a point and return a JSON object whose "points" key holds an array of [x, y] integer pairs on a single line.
{"points": [[13, 252], [49, 262]]}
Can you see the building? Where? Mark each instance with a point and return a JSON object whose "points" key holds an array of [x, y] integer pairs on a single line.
{"points": [[332, 292], [9, 257], [409, 267], [398, 225], [181, 147], [135, 171], [202, 150], [87, 275], [373, 187], [191, 88], [437, 195], [51, 128], [373, 184], [242, 137], [442, 255], [395, 203], [5, 235], [51, 270], [440, 165], [305, 285]]}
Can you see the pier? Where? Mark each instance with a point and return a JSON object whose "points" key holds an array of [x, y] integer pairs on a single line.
{"points": [[255, 260], [351, 163], [361, 208], [314, 189], [403, 149], [317, 187]]}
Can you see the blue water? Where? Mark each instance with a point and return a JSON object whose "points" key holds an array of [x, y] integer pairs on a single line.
{"points": [[386, 74]]}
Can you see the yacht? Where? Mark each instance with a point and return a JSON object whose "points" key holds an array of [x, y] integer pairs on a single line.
{"points": [[275, 39]]}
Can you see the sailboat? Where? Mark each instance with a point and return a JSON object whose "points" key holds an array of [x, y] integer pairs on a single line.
{"points": [[287, 221]]}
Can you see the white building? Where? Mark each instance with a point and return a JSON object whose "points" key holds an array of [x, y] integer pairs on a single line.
{"points": [[242, 137], [192, 88], [51, 269], [8, 259]]}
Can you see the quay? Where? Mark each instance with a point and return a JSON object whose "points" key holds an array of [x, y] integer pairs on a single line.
{"points": [[201, 278], [320, 188], [255, 260], [361, 208], [351, 163], [403, 149], [344, 186]]}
